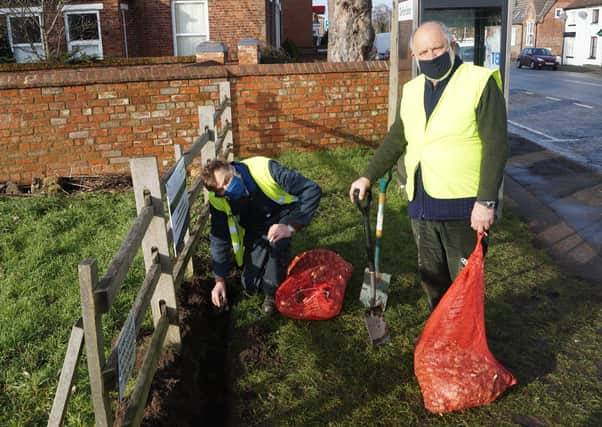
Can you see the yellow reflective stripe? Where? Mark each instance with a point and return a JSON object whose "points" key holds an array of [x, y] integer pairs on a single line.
{"points": [[260, 172]]}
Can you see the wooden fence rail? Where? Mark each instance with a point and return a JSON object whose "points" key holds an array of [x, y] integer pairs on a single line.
{"points": [[165, 272]]}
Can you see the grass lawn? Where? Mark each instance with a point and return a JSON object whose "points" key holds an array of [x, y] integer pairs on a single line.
{"points": [[543, 326]]}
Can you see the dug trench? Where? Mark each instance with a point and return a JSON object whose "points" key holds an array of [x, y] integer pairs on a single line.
{"points": [[192, 386]]}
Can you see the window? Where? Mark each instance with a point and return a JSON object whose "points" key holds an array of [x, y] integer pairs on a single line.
{"points": [[530, 37], [595, 16], [513, 37], [25, 36], [593, 47], [190, 24], [83, 33], [558, 13], [82, 29], [570, 20]]}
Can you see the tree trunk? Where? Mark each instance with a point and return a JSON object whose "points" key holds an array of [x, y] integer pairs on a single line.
{"points": [[350, 33]]}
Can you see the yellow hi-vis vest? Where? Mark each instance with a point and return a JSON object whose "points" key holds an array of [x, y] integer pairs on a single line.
{"points": [[447, 147], [260, 172]]}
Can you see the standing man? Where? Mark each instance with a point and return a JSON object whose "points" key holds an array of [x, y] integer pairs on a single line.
{"points": [[256, 207], [451, 133]]}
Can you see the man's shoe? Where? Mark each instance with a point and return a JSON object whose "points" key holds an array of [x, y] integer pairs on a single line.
{"points": [[269, 305]]}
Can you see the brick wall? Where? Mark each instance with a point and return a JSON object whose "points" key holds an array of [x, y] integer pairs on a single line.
{"points": [[111, 29], [106, 115], [550, 30], [297, 23], [153, 28], [232, 21]]}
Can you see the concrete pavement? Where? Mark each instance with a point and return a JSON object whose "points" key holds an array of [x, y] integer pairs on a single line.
{"points": [[562, 202]]}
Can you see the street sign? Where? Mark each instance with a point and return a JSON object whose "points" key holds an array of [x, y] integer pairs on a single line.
{"points": [[177, 201], [406, 12], [126, 353], [326, 25]]}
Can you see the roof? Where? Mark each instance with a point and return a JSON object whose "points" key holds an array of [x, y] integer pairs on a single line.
{"points": [[541, 8], [577, 4]]}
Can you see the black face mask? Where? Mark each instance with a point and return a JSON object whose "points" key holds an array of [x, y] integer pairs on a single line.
{"points": [[437, 67]]}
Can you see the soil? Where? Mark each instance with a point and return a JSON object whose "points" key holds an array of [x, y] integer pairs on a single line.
{"points": [[191, 387], [67, 185]]}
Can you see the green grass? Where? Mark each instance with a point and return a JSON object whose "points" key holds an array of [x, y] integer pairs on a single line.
{"points": [[543, 326], [43, 239]]}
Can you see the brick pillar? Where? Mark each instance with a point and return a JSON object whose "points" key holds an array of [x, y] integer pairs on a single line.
{"points": [[208, 51], [248, 51]]}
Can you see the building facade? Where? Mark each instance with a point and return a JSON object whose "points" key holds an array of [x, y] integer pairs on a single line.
{"points": [[140, 28], [582, 33]]}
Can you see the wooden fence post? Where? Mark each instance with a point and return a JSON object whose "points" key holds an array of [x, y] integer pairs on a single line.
{"points": [[88, 279], [207, 125], [226, 119], [145, 177]]}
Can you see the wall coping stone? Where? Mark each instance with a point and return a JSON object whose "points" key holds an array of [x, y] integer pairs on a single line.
{"points": [[163, 72], [249, 42], [209, 46]]}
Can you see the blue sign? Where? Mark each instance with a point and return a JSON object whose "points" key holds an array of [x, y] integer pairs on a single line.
{"points": [[495, 58], [325, 24]]}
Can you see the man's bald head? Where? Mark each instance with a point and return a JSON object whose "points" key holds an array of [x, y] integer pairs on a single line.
{"points": [[429, 40]]}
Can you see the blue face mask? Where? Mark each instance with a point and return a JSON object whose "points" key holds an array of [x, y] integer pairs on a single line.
{"points": [[236, 189]]}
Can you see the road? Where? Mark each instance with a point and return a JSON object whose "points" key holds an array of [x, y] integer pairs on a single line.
{"points": [[559, 110]]}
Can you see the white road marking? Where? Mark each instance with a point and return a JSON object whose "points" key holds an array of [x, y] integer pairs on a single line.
{"points": [[582, 105], [526, 92], [582, 83], [532, 130], [552, 98]]}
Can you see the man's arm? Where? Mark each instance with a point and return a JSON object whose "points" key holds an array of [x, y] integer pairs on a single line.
{"points": [[308, 194], [388, 152], [493, 131], [220, 243]]}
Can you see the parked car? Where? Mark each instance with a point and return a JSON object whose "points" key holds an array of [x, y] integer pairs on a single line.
{"points": [[537, 57]]}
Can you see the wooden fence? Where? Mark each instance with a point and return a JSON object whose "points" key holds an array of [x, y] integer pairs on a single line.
{"points": [[165, 271]]}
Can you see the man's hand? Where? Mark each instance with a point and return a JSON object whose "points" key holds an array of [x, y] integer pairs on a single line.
{"points": [[278, 231], [481, 217], [362, 184], [218, 293]]}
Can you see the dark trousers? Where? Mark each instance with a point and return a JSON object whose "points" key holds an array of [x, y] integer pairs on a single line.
{"points": [[265, 264], [442, 248]]}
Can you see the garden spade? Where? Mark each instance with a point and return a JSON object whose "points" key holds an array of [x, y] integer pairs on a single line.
{"points": [[375, 320]]}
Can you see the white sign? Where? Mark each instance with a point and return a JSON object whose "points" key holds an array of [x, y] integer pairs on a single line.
{"points": [[126, 353], [177, 201], [405, 11]]}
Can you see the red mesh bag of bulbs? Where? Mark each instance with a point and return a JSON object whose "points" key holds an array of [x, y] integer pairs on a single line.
{"points": [[452, 361], [315, 286]]}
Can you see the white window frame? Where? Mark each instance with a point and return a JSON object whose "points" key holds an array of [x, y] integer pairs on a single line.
{"points": [[20, 13], [571, 18], [174, 3], [558, 12], [513, 36], [83, 9], [530, 34]]}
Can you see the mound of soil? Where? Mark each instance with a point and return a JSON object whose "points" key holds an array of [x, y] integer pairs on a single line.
{"points": [[190, 387]]}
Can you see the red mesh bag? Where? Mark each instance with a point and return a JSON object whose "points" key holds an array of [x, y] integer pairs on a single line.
{"points": [[452, 361], [315, 286]]}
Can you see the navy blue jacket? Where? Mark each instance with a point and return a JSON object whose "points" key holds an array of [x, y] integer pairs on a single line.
{"points": [[257, 212]]}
